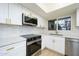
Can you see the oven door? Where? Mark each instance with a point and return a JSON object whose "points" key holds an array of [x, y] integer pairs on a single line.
{"points": [[32, 48]]}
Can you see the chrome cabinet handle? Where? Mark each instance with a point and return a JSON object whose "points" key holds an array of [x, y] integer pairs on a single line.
{"points": [[9, 49]]}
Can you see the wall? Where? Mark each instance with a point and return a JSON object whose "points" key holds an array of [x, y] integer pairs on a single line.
{"points": [[41, 21], [8, 31], [14, 30], [74, 29]]}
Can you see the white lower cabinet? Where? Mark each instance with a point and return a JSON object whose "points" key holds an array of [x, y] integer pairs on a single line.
{"points": [[43, 42], [49, 42], [59, 44], [56, 43], [18, 49]]}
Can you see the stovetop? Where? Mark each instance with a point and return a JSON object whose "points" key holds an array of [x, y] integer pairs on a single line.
{"points": [[31, 37]]}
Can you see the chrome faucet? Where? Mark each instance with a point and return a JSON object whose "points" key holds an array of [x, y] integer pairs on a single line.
{"points": [[56, 32]]}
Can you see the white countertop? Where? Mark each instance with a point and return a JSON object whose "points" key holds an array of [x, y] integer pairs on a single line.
{"points": [[10, 39], [4, 41], [65, 36], [72, 36]]}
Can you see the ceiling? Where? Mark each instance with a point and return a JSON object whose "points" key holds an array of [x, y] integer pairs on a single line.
{"points": [[49, 7], [51, 10]]}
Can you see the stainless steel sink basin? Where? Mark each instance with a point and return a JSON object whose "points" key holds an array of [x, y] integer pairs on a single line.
{"points": [[56, 34]]}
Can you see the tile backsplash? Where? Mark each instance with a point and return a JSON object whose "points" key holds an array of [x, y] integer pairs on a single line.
{"points": [[15, 30]]}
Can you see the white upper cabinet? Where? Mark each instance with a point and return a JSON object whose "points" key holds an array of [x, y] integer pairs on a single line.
{"points": [[42, 23], [3, 12], [77, 17], [25, 11], [15, 14], [11, 13]]}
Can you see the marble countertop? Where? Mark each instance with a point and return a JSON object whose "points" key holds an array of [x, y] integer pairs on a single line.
{"points": [[8, 40], [65, 36], [4, 41], [71, 36]]}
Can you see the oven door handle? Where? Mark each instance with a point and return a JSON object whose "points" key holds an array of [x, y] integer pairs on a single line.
{"points": [[31, 42]]}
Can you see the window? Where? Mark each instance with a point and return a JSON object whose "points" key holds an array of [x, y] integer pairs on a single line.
{"points": [[52, 24], [64, 23]]}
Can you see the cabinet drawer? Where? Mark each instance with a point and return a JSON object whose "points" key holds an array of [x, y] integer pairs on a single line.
{"points": [[13, 48]]}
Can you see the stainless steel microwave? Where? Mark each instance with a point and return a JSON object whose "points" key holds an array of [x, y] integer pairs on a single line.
{"points": [[26, 20]]}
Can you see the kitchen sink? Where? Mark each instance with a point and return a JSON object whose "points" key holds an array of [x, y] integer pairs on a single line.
{"points": [[56, 34]]}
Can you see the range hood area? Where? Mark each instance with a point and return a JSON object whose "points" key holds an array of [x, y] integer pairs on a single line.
{"points": [[26, 20]]}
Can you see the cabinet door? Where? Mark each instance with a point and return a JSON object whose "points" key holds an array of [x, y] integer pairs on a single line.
{"points": [[43, 42], [3, 12], [49, 42], [60, 45], [77, 17], [18, 49], [15, 13]]}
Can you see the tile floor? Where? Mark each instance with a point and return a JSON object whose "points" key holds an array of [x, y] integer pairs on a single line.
{"points": [[47, 52]]}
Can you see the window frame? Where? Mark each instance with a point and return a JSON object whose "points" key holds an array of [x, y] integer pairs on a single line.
{"points": [[61, 18], [64, 18]]}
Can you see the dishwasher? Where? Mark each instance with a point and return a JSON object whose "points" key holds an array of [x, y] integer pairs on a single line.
{"points": [[71, 47]]}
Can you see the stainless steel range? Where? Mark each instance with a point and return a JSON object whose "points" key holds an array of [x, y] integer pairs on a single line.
{"points": [[33, 43]]}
